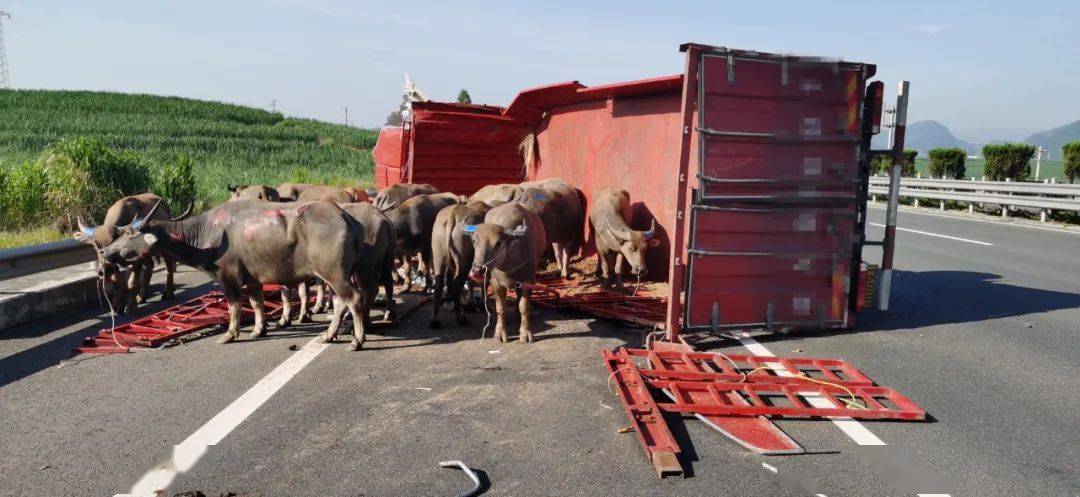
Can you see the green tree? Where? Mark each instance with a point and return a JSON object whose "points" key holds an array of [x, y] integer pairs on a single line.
{"points": [[1008, 160], [1070, 154], [947, 163], [175, 182], [883, 163], [463, 97]]}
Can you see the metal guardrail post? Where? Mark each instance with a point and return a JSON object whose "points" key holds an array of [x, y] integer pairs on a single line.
{"points": [[889, 244]]}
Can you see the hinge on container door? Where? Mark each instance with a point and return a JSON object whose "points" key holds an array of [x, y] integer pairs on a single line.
{"points": [[686, 130], [769, 311], [783, 72], [714, 322], [682, 178], [731, 69]]}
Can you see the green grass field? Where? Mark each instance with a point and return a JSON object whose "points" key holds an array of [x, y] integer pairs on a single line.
{"points": [[974, 167], [228, 143]]}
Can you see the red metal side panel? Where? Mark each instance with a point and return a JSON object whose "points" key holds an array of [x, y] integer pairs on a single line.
{"points": [[390, 155], [630, 143], [461, 152], [774, 216]]}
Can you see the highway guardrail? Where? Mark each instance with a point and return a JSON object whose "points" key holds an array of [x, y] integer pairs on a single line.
{"points": [[1041, 196], [21, 261]]}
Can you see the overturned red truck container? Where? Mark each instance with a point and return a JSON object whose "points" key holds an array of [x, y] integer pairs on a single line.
{"points": [[755, 167]]}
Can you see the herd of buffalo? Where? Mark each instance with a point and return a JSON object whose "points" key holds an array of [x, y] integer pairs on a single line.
{"points": [[350, 244]]}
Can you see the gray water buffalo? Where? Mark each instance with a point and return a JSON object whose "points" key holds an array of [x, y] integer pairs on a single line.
{"points": [[413, 222], [376, 264], [609, 214], [451, 247], [245, 244], [561, 208], [253, 192], [506, 248], [494, 195], [393, 195], [127, 294], [298, 192]]}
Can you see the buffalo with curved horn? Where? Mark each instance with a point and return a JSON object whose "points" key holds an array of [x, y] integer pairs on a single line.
{"points": [[128, 286]]}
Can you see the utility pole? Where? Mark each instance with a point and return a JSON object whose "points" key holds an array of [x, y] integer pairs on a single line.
{"points": [[5, 76], [1038, 161], [273, 105], [346, 116]]}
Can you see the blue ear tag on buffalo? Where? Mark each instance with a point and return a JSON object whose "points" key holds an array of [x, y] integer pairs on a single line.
{"points": [[540, 196], [469, 228], [137, 224]]}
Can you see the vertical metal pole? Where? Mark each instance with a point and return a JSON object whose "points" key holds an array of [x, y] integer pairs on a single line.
{"points": [[677, 266], [5, 76], [889, 244], [1038, 161]]}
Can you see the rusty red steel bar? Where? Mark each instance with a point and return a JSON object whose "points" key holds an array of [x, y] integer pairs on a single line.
{"points": [[645, 417], [905, 409], [738, 399], [170, 324], [556, 293]]}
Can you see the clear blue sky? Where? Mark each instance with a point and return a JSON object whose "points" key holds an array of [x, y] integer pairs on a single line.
{"points": [[987, 70]]}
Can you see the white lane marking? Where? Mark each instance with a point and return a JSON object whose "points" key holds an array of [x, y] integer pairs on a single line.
{"points": [[935, 234], [854, 429], [988, 221], [188, 452]]}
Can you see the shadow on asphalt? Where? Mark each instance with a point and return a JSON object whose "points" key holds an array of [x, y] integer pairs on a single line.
{"points": [[27, 362], [413, 331], [932, 298]]}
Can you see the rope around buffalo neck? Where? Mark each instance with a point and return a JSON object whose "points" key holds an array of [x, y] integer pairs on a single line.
{"points": [[487, 310]]}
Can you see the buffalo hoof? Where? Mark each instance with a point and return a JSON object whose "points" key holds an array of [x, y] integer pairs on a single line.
{"points": [[526, 337], [434, 324], [140, 299], [283, 324], [324, 338], [226, 338], [258, 333], [355, 345]]}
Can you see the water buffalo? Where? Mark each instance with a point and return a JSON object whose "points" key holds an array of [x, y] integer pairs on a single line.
{"points": [[253, 192], [137, 287], [609, 215], [561, 208], [393, 195], [295, 192], [452, 247], [507, 247], [376, 264], [247, 243], [494, 195], [413, 222]]}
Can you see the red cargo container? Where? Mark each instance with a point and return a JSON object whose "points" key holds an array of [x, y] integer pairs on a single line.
{"points": [[753, 165]]}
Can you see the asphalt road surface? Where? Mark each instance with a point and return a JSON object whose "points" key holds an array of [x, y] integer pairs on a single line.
{"points": [[983, 333]]}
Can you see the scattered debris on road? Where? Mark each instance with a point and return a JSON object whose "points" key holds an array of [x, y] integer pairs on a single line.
{"points": [[472, 476]]}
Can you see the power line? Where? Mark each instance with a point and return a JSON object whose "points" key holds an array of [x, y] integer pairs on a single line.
{"points": [[5, 76]]}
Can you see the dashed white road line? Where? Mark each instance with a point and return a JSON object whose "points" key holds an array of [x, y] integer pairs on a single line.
{"points": [[188, 452], [988, 244], [852, 428]]}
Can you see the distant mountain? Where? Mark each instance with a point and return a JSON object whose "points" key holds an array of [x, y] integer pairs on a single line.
{"points": [[925, 135], [1053, 139]]}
